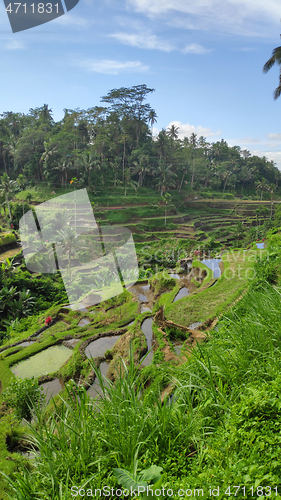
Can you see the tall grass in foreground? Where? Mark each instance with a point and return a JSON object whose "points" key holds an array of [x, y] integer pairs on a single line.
{"points": [[246, 348], [83, 440], [221, 423]]}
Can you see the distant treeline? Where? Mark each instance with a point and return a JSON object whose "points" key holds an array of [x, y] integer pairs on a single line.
{"points": [[113, 145]]}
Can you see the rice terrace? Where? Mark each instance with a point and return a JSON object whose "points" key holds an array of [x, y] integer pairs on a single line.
{"points": [[172, 385]]}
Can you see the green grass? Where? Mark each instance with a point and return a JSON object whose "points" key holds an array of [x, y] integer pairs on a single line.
{"points": [[222, 428], [211, 302]]}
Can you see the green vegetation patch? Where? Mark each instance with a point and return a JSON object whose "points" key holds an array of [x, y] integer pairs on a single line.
{"points": [[48, 361], [209, 303]]}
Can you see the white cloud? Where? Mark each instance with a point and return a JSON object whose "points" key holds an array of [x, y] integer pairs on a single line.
{"points": [[185, 130], [248, 140], [274, 137], [143, 41], [111, 67], [15, 45], [194, 48], [244, 17], [270, 155], [70, 20]]}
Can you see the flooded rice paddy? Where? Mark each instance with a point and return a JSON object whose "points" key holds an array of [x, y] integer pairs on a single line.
{"points": [[213, 264], [52, 388], [26, 344], [260, 246], [175, 276], [95, 389], [182, 293], [84, 322], [148, 332], [144, 295], [48, 361], [51, 359], [100, 346]]}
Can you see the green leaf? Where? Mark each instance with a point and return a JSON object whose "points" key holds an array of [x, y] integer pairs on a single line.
{"points": [[127, 479], [152, 474]]}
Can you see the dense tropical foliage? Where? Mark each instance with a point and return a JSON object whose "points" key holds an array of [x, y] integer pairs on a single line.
{"points": [[112, 145]]}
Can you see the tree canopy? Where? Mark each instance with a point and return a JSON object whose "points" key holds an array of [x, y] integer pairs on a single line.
{"points": [[112, 145]]}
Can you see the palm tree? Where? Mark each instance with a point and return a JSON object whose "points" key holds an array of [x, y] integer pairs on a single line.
{"points": [[275, 58], [173, 132], [161, 144], [167, 199], [7, 186], [262, 186], [165, 177], [89, 161], [64, 166], [141, 168], [152, 118]]}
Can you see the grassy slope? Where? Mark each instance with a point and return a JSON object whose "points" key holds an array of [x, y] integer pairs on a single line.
{"points": [[211, 302]]}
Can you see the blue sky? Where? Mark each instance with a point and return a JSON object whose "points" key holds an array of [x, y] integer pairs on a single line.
{"points": [[204, 59]]}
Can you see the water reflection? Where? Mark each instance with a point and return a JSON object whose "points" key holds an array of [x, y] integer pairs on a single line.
{"points": [[48, 361], [26, 344], [95, 390], [182, 293], [50, 389], [84, 322], [148, 332], [100, 346], [213, 264]]}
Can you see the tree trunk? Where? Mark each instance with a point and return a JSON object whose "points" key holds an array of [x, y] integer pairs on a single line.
{"points": [[123, 162], [183, 176], [193, 172], [8, 205]]}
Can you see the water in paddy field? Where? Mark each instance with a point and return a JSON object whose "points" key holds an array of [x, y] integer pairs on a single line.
{"points": [[177, 345], [148, 332], [260, 246], [100, 346], [52, 388], [182, 293], [143, 292], [26, 344], [48, 361], [213, 264], [145, 308], [84, 322], [194, 326], [95, 389], [73, 342]]}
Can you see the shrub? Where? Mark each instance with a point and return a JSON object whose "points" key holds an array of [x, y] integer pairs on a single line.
{"points": [[228, 196], [24, 396], [17, 210], [6, 239]]}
